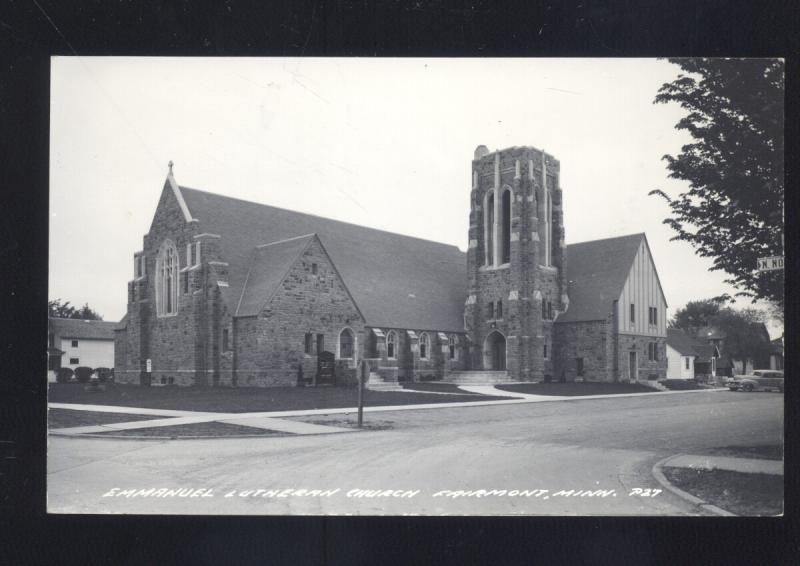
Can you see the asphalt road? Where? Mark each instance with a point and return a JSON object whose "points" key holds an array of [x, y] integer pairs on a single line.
{"points": [[416, 465]]}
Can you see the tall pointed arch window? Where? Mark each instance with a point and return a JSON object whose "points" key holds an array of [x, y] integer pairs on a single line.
{"points": [[505, 227], [424, 346], [391, 345], [167, 280], [346, 341], [488, 228]]}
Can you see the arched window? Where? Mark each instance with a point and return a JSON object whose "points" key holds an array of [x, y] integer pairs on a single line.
{"points": [[424, 346], [488, 228], [346, 343], [505, 227], [167, 280], [451, 344], [391, 345]]}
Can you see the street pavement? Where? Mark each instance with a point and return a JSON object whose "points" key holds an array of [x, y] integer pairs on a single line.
{"points": [[584, 457]]}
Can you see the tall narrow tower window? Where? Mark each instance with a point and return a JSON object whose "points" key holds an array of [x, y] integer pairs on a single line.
{"points": [[488, 228], [505, 228], [167, 280]]}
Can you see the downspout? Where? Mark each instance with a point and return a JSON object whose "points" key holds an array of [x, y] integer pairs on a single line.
{"points": [[615, 340]]}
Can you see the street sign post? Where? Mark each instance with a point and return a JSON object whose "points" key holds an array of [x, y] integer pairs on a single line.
{"points": [[770, 263]]}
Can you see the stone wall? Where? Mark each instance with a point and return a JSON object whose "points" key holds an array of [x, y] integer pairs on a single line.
{"points": [[270, 346], [591, 341], [648, 370]]}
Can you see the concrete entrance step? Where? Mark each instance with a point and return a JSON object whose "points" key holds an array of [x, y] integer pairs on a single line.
{"points": [[377, 383], [477, 377]]}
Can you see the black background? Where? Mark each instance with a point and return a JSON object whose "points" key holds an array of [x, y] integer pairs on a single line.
{"points": [[33, 30]]}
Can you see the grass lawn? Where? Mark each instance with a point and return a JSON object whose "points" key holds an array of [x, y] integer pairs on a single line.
{"points": [[195, 430], [243, 399], [433, 386], [571, 389], [764, 452], [742, 494], [65, 418]]}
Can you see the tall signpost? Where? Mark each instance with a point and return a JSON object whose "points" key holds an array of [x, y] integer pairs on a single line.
{"points": [[363, 375]]}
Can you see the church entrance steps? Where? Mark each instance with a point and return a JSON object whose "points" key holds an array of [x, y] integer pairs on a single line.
{"points": [[478, 377], [378, 383]]}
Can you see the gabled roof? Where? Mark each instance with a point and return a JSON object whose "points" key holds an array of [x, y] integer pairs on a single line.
{"points": [[268, 267], [705, 352], [396, 281], [80, 328], [597, 272], [681, 342]]}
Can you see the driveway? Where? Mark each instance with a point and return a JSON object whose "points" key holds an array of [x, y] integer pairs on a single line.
{"points": [[587, 457]]}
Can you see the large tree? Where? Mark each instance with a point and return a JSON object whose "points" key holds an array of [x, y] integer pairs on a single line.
{"points": [[744, 330], [58, 309], [732, 211]]}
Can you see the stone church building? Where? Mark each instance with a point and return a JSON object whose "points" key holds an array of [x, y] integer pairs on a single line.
{"points": [[228, 292]]}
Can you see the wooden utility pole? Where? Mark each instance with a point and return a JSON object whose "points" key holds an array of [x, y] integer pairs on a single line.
{"points": [[363, 375]]}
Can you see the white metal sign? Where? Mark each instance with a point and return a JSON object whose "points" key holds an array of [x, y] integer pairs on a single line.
{"points": [[770, 263]]}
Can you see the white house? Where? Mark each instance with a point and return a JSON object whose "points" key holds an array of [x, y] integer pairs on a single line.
{"points": [[681, 354], [74, 342]]}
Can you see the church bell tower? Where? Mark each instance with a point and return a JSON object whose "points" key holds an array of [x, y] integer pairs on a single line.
{"points": [[516, 263]]}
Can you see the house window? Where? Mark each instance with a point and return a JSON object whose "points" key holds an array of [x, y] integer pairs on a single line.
{"points": [[687, 362], [652, 351], [185, 282], [74, 361], [424, 346], [579, 365], [225, 340], [313, 269], [74, 343], [505, 227], [633, 313], [451, 344], [346, 343], [309, 343], [652, 315], [499, 309], [391, 340], [490, 310], [167, 280]]}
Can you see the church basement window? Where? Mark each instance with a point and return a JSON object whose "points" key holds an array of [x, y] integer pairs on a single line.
{"points": [[579, 366]]}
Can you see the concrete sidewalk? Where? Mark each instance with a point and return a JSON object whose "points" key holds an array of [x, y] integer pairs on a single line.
{"points": [[743, 465]]}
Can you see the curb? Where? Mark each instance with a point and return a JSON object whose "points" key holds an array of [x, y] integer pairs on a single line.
{"points": [[662, 479]]}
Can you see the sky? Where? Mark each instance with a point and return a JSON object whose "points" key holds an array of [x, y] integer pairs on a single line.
{"points": [[385, 143]]}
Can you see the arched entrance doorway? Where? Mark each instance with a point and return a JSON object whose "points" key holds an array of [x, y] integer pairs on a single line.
{"points": [[494, 351]]}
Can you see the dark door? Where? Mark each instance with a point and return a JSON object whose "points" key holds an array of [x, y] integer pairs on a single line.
{"points": [[326, 368], [499, 355]]}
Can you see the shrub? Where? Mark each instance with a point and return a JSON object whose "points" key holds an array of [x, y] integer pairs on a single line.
{"points": [[83, 374], [679, 384], [103, 374], [63, 375]]}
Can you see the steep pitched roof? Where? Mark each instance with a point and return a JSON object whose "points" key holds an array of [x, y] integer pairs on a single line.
{"points": [[268, 267], [395, 280], [680, 341], [597, 271], [86, 329]]}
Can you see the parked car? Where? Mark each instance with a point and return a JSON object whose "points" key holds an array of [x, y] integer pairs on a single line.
{"points": [[759, 380]]}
